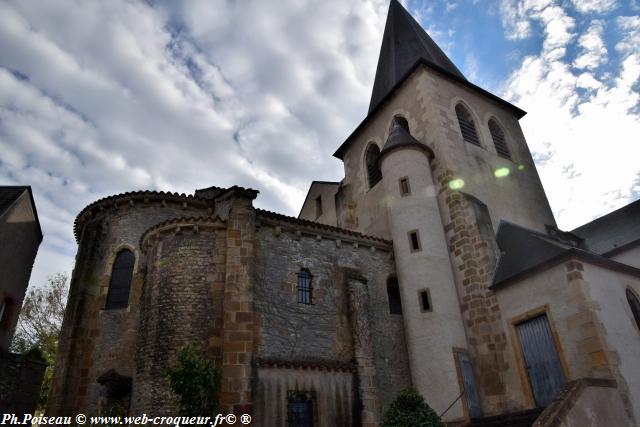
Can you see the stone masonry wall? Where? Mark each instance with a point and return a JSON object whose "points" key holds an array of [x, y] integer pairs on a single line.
{"points": [[181, 304], [95, 340], [320, 334]]}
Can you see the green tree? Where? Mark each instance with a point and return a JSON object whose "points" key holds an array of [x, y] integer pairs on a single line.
{"points": [[195, 379], [410, 409], [39, 325]]}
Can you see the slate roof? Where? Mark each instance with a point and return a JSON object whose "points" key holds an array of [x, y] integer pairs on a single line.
{"points": [[404, 43], [524, 250], [613, 231], [10, 193], [399, 136], [405, 48]]}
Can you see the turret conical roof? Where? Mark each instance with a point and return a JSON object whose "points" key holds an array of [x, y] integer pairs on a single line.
{"points": [[403, 44]]}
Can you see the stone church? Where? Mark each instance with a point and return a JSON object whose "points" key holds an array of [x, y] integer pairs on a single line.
{"points": [[435, 263]]}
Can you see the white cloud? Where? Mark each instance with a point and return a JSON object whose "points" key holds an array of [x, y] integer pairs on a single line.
{"points": [[585, 142], [101, 98], [597, 6], [629, 26], [594, 52]]}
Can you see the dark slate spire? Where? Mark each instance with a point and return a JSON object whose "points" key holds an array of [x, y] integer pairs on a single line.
{"points": [[403, 44]]}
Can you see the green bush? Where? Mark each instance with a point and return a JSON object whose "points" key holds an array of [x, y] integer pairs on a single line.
{"points": [[195, 380], [410, 409]]}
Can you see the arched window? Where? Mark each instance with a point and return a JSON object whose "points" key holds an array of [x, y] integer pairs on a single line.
{"points": [[373, 170], [304, 286], [634, 303], [467, 127], [393, 293], [498, 139], [120, 283]]}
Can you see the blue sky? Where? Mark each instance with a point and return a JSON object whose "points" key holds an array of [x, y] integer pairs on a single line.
{"points": [[99, 98]]}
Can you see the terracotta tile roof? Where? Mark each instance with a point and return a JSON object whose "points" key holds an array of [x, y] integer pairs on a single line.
{"points": [[318, 226], [188, 221], [138, 195]]}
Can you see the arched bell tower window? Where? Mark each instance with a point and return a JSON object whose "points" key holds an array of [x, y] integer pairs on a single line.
{"points": [[467, 126], [497, 134], [374, 174], [120, 283], [634, 303]]}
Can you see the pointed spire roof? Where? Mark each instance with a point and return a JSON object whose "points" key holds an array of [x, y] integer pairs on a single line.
{"points": [[403, 44]]}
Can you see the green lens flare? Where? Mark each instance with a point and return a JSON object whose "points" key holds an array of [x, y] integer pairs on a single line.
{"points": [[502, 172], [456, 184], [520, 167]]}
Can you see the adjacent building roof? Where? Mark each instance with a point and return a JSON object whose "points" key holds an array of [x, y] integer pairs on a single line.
{"points": [[523, 249], [613, 231], [404, 43], [10, 193]]}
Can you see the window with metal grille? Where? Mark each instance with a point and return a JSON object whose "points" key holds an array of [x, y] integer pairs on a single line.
{"points": [[467, 127], [304, 287], [120, 283], [634, 303], [300, 409], [498, 139], [393, 293], [373, 170]]}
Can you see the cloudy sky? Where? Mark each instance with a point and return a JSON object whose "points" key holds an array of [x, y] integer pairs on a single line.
{"points": [[98, 98]]}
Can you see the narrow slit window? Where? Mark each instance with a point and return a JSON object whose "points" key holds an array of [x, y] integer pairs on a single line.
{"points": [[467, 126], [393, 293], [6, 308], [304, 287], [499, 141], [425, 300], [318, 206], [414, 241], [405, 189]]}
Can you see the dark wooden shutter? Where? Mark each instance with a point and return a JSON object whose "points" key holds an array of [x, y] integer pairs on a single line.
{"points": [[541, 359], [120, 284]]}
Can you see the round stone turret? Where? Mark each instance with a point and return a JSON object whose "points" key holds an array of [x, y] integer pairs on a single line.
{"points": [[433, 323]]}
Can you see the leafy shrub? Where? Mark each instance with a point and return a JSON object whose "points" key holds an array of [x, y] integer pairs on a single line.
{"points": [[195, 379], [410, 409]]}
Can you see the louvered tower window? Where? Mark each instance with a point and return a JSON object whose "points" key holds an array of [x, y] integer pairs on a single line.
{"points": [[373, 171], [304, 287], [467, 127], [634, 303], [498, 139], [120, 283]]}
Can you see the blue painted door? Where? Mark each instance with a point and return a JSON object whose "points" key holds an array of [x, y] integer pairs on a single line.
{"points": [[470, 390], [541, 359]]}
